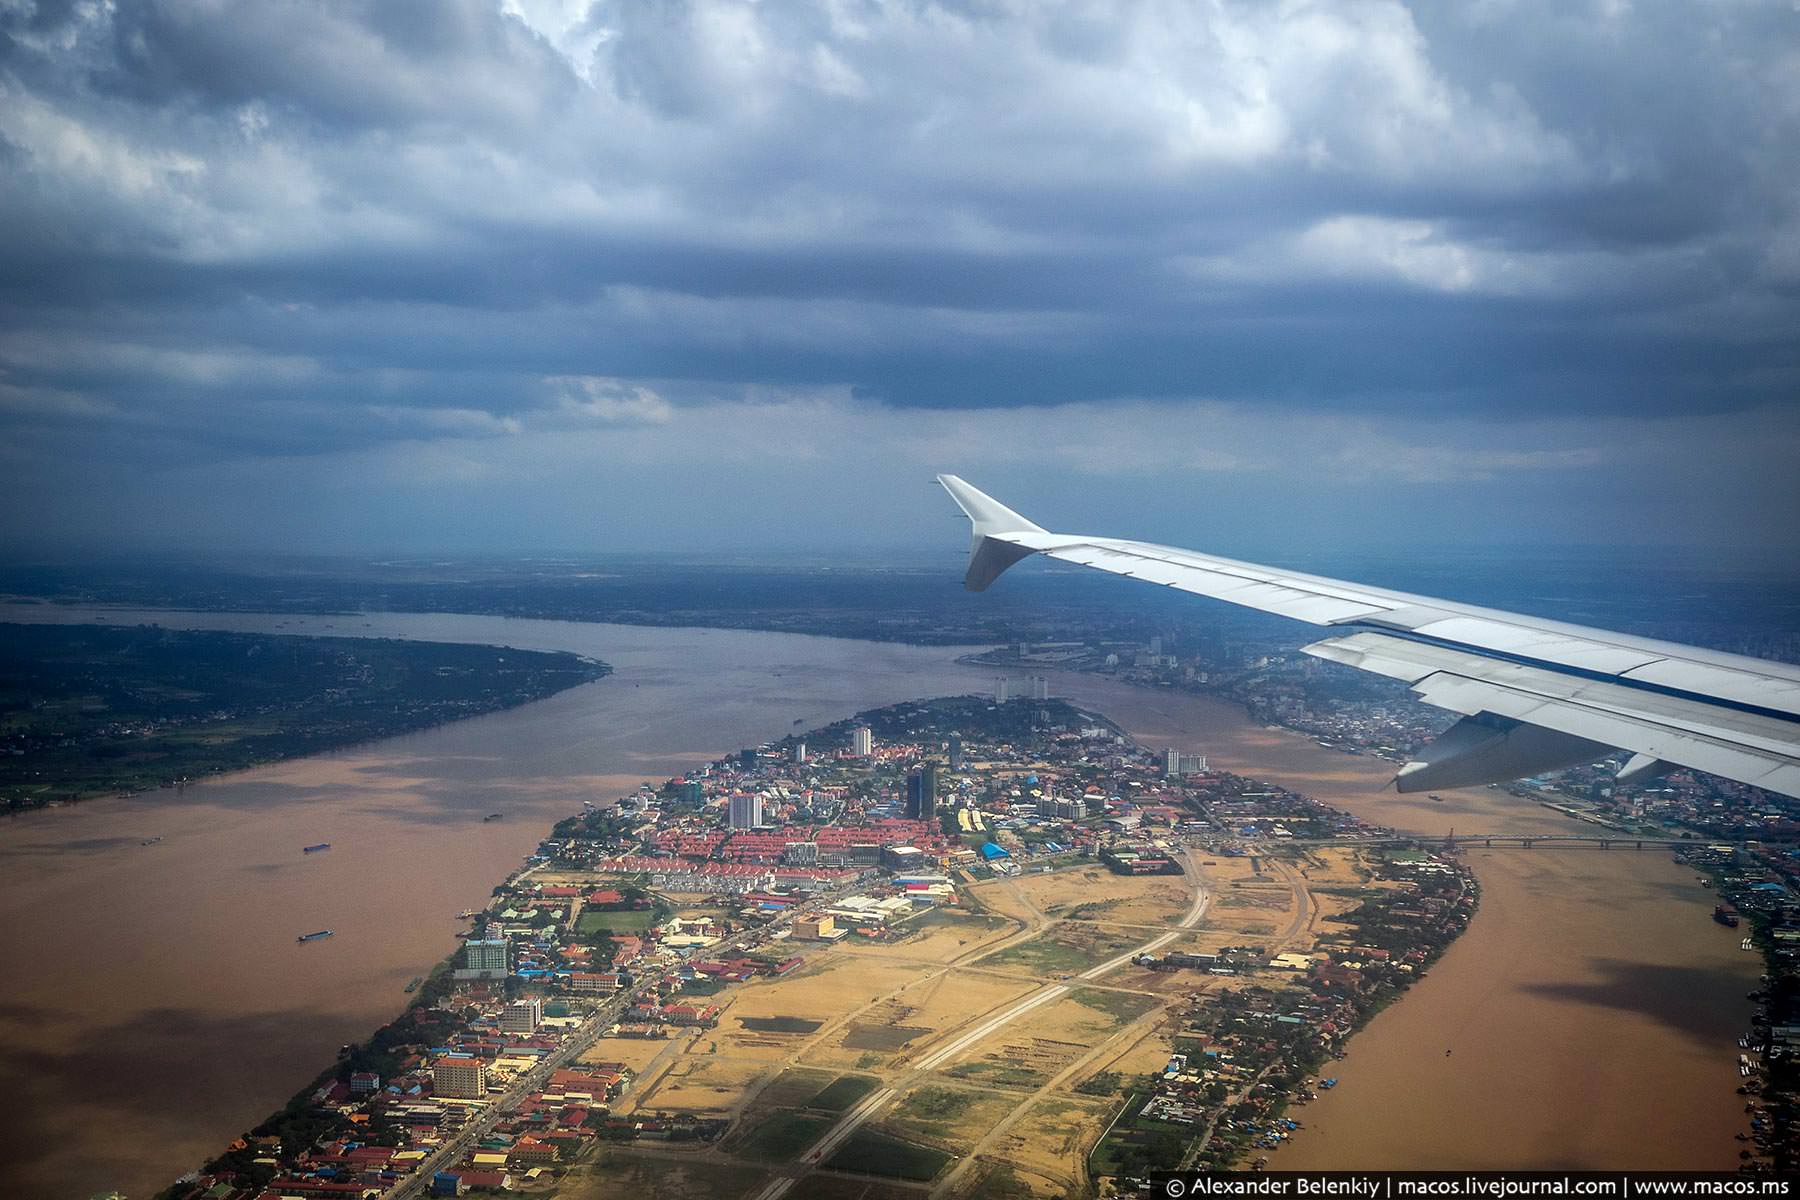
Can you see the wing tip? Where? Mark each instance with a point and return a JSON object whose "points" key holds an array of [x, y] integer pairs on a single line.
{"points": [[990, 521], [986, 514]]}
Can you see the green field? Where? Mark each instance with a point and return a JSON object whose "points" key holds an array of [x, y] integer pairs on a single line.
{"points": [[620, 1175], [794, 1087], [935, 1112], [625, 920], [823, 1185], [999, 1183], [782, 1135], [997, 1074], [623, 1176], [1125, 1006], [843, 1092], [871, 1153], [779, 1024], [865, 1036], [1063, 950]]}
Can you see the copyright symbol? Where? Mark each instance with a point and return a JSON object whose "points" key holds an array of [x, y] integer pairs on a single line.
{"points": [[1175, 1188]]}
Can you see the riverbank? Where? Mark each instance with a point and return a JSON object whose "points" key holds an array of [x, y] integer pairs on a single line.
{"points": [[170, 971], [167, 1006], [1592, 1006], [98, 710]]}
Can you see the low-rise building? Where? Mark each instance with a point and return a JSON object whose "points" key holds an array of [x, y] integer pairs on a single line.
{"points": [[822, 928]]}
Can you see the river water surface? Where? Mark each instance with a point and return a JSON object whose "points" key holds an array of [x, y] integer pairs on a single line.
{"points": [[160, 1004]]}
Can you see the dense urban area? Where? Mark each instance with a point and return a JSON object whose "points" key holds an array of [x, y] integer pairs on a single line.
{"points": [[989, 944]]}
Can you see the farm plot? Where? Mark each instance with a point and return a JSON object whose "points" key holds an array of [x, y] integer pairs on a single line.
{"points": [[871, 1152]]}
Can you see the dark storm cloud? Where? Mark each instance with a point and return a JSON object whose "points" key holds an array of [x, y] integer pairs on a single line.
{"points": [[301, 232]]}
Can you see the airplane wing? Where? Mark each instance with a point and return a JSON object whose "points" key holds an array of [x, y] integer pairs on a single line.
{"points": [[1535, 695]]}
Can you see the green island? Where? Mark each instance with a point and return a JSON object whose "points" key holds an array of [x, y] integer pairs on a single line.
{"points": [[88, 711]]}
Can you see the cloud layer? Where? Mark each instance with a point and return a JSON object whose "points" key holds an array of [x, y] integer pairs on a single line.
{"points": [[1516, 255]]}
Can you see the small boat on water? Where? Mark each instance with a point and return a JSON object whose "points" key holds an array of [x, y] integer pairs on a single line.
{"points": [[414, 985], [467, 914], [151, 841], [1328, 1083], [314, 937], [315, 848], [493, 816]]}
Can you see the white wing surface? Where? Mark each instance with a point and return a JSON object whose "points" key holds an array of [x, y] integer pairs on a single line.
{"points": [[1536, 695]]}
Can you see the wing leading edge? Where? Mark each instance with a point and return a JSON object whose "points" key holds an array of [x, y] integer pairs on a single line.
{"points": [[1535, 695]]}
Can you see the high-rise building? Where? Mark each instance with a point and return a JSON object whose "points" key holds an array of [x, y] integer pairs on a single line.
{"points": [[486, 958], [799, 752], [746, 812], [1000, 689], [459, 1078], [1040, 687], [522, 1016], [800, 854], [1156, 645], [921, 793], [1176, 764], [862, 741], [956, 755], [689, 791]]}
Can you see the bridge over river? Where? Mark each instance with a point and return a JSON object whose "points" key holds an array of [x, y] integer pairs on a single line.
{"points": [[1522, 841]]}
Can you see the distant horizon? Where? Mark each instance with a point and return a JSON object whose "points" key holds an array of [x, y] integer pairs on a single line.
{"points": [[951, 550]]}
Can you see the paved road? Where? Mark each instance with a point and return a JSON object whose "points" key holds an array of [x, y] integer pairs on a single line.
{"points": [[603, 1018], [860, 1114]]}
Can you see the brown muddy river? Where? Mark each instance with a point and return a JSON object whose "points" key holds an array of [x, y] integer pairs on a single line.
{"points": [[161, 1005]]}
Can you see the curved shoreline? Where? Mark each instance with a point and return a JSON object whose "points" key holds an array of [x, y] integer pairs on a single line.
{"points": [[1592, 1005], [222, 1002]]}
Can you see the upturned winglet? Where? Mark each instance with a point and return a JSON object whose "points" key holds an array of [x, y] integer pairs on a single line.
{"points": [[991, 552]]}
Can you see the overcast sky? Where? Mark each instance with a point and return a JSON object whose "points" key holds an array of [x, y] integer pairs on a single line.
{"points": [[612, 276]]}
